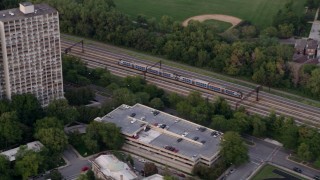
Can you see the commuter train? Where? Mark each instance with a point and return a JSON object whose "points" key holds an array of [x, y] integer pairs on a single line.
{"points": [[188, 80]]}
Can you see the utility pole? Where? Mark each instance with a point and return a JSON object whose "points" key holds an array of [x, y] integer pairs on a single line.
{"points": [[257, 91]]}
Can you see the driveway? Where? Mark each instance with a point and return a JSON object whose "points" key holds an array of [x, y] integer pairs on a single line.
{"points": [[266, 152], [73, 170], [314, 32]]}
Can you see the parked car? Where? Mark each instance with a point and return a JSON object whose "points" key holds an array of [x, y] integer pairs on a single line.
{"points": [[85, 168], [296, 169], [133, 114], [316, 177], [232, 171], [179, 140], [142, 160]]}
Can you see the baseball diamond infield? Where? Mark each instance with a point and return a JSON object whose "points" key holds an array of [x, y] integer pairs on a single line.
{"points": [[220, 17]]}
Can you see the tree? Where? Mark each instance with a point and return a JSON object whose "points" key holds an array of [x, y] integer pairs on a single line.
{"points": [[55, 175], [61, 110], [10, 132], [259, 127], [87, 114], [240, 122], [157, 103], [248, 31], [150, 169], [219, 122], [317, 162], [200, 113], [184, 109], [285, 30], [5, 172], [130, 160], [270, 32], [289, 135], [79, 96], [48, 122], [167, 177], [83, 177], [135, 84], [174, 99], [53, 138], [90, 175], [233, 149], [304, 153], [4, 106], [103, 136], [123, 96], [222, 107], [27, 107], [28, 164], [314, 82]]}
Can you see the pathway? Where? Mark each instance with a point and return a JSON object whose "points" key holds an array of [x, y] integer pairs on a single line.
{"points": [[314, 32]]}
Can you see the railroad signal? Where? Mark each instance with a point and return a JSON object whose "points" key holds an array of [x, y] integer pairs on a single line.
{"points": [[67, 50], [256, 90], [144, 72]]}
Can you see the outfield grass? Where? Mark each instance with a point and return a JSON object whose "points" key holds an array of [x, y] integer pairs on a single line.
{"points": [[259, 12], [266, 173], [219, 26]]}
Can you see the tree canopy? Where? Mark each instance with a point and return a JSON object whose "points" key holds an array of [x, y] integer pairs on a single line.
{"points": [[233, 149]]}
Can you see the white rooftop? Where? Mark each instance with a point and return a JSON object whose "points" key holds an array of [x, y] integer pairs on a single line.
{"points": [[154, 177], [11, 154], [111, 166]]}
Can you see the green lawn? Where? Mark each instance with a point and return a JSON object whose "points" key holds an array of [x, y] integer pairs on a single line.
{"points": [[219, 26], [259, 12], [266, 172]]}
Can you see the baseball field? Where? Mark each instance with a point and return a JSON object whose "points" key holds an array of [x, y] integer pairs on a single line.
{"points": [[259, 12]]}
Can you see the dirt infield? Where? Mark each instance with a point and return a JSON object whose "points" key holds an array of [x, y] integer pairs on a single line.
{"points": [[220, 17]]}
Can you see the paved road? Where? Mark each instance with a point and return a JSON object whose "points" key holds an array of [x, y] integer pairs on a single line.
{"points": [[74, 169], [314, 32], [267, 152]]}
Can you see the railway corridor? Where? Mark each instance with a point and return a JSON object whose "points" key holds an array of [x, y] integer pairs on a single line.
{"points": [[97, 56]]}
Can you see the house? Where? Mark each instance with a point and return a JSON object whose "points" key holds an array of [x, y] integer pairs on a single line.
{"points": [[306, 51], [108, 166], [11, 154]]}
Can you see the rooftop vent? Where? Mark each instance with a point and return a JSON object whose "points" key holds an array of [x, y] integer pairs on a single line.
{"points": [[26, 7]]}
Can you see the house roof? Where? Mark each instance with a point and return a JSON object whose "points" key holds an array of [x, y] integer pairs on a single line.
{"points": [[11, 154], [300, 44], [312, 44], [111, 166]]}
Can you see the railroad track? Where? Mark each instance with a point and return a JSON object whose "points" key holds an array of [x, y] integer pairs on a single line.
{"points": [[101, 57]]}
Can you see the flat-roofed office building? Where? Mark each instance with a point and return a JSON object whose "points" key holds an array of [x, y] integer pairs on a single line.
{"points": [[30, 55], [164, 138]]}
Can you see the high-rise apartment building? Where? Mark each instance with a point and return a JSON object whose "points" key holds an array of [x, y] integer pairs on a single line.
{"points": [[30, 55]]}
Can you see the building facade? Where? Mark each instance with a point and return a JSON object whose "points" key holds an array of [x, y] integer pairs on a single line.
{"points": [[165, 138], [30, 55]]}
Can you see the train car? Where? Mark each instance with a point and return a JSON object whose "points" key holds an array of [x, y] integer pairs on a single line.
{"points": [[140, 67], [200, 83], [185, 79], [229, 92], [125, 63], [168, 75], [215, 88], [195, 82], [155, 70]]}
